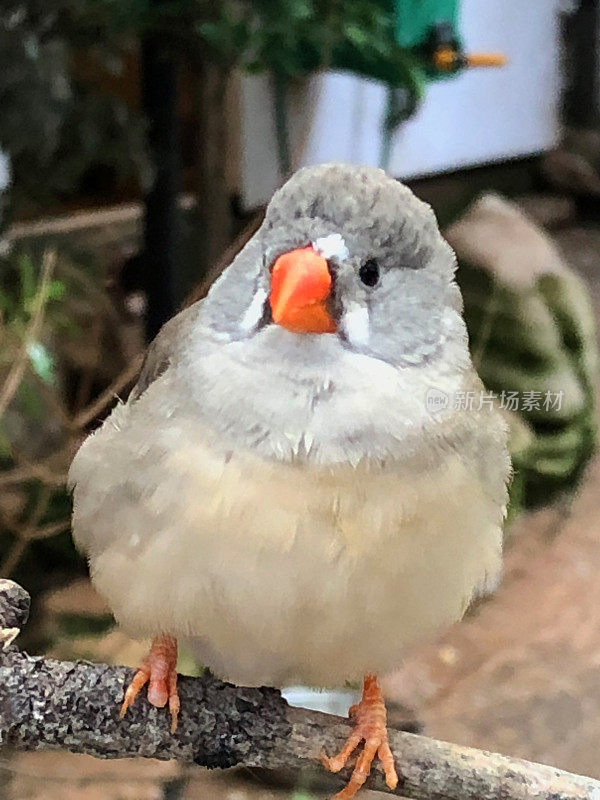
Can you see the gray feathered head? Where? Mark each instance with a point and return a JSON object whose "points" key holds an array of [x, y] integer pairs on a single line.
{"points": [[347, 252]]}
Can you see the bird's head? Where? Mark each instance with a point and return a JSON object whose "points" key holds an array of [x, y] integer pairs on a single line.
{"points": [[344, 252]]}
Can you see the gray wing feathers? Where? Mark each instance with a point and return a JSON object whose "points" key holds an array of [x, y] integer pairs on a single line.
{"points": [[164, 348]]}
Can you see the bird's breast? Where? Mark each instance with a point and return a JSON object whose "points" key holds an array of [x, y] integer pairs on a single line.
{"points": [[280, 568]]}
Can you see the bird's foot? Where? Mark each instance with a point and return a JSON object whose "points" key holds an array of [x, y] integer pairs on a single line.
{"points": [[159, 671], [370, 719]]}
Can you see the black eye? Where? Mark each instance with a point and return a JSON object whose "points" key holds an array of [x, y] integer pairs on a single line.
{"points": [[369, 272]]}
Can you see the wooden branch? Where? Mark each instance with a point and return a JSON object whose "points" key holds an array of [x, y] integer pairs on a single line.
{"points": [[56, 704]]}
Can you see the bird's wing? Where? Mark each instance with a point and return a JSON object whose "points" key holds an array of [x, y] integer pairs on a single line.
{"points": [[161, 354], [164, 349]]}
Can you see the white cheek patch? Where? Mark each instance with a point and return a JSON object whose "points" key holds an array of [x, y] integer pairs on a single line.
{"points": [[355, 325], [254, 312], [332, 246]]}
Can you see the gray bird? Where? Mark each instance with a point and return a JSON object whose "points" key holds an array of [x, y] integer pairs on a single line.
{"points": [[292, 486]]}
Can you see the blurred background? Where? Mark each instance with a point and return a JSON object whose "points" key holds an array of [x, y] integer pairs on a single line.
{"points": [[139, 143]]}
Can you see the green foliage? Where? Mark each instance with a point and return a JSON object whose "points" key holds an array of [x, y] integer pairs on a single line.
{"points": [[289, 39], [44, 305], [22, 297], [19, 292], [295, 38]]}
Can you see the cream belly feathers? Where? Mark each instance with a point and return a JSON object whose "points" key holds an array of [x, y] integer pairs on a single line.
{"points": [[288, 502], [283, 571]]}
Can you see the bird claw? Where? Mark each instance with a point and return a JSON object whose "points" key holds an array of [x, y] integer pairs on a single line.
{"points": [[369, 718], [158, 670]]}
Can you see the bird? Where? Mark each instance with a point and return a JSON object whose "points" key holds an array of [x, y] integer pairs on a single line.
{"points": [[292, 487]]}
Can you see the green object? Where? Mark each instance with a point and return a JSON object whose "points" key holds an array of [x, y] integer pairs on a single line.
{"points": [[412, 25], [537, 339], [414, 19]]}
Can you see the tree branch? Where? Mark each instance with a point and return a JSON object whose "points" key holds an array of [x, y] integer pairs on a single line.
{"points": [[57, 704]]}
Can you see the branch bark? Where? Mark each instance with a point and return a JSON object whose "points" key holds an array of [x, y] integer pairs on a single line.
{"points": [[57, 704]]}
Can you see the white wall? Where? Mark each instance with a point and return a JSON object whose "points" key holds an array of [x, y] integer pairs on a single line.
{"points": [[482, 115]]}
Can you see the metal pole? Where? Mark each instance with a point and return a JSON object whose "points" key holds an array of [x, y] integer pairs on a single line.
{"points": [[161, 252], [581, 30]]}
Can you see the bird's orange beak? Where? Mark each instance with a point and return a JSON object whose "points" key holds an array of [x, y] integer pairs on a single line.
{"points": [[300, 287]]}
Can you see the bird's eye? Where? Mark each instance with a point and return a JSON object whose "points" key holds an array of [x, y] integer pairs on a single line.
{"points": [[369, 272]]}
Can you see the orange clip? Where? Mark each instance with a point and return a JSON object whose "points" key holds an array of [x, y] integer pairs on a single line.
{"points": [[446, 59]]}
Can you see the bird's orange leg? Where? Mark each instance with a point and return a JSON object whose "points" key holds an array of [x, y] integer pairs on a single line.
{"points": [[370, 725], [159, 671]]}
